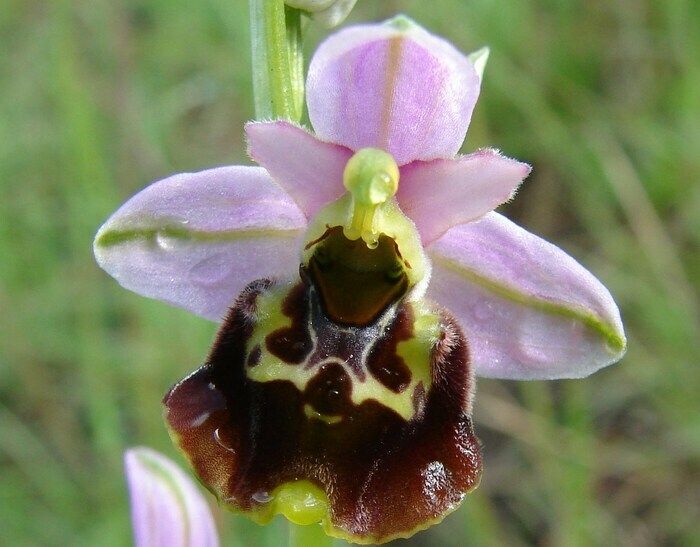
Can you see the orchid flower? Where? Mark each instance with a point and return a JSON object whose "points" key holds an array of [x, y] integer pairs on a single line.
{"points": [[167, 509], [363, 279]]}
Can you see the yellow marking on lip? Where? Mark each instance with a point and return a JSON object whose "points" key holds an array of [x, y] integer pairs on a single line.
{"points": [[312, 413], [415, 352]]}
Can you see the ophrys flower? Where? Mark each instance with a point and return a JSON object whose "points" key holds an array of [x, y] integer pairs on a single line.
{"points": [[374, 280]]}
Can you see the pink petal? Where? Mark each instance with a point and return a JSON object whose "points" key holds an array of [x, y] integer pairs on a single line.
{"points": [[195, 240], [530, 311], [443, 193], [392, 86], [310, 170], [166, 507]]}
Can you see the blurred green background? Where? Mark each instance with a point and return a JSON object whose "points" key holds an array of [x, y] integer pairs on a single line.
{"points": [[98, 98]]}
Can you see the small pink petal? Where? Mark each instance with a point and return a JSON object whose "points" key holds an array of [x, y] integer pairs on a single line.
{"points": [[443, 193], [195, 240], [167, 509], [530, 311], [392, 86], [310, 170]]}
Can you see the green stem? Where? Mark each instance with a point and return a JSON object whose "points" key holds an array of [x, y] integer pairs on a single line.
{"points": [[278, 74], [308, 536], [296, 59]]}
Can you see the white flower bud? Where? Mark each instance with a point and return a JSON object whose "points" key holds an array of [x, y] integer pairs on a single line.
{"points": [[329, 13]]}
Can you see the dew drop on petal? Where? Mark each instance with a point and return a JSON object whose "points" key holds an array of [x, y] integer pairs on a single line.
{"points": [[220, 441], [262, 496], [310, 501], [530, 347], [199, 420], [165, 241], [532, 354], [483, 311], [212, 270]]}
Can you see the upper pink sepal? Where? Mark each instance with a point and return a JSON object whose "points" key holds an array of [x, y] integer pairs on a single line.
{"points": [[392, 86], [443, 193], [310, 170], [530, 311], [195, 240]]}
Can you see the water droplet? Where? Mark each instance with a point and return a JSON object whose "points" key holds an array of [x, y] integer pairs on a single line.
{"points": [[211, 270], [165, 241], [199, 420], [532, 346], [483, 311], [221, 443], [262, 496], [533, 353]]}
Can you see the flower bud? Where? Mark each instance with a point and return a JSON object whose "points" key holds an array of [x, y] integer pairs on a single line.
{"points": [[166, 506], [330, 13]]}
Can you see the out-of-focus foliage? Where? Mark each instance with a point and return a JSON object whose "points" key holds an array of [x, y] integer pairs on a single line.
{"points": [[98, 98]]}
